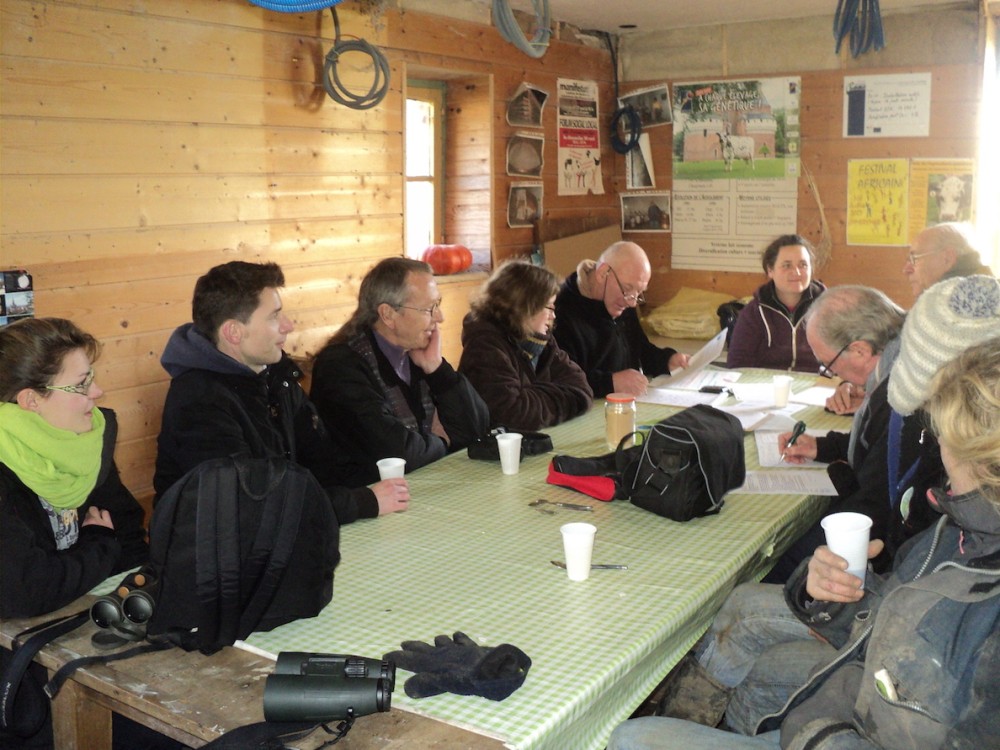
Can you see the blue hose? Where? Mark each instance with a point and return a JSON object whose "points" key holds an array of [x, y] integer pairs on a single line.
{"points": [[862, 21], [505, 22], [294, 7]]}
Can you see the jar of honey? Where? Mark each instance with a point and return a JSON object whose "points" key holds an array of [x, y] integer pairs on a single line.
{"points": [[619, 417]]}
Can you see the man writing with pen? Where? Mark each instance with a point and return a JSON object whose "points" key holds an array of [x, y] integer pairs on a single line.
{"points": [[598, 326], [854, 333]]}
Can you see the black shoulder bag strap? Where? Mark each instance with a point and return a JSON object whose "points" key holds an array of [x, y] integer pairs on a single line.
{"points": [[29, 720]]}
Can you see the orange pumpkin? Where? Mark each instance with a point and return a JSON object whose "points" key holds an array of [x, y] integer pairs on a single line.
{"points": [[446, 259]]}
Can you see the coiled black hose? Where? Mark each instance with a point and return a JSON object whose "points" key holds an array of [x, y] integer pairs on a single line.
{"points": [[331, 79]]}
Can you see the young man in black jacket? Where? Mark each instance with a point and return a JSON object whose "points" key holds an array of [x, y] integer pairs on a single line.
{"points": [[234, 391]]}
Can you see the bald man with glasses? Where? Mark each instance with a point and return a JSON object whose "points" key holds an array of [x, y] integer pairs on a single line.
{"points": [[599, 328]]}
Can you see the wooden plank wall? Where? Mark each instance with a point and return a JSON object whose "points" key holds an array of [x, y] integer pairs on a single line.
{"points": [[144, 143]]}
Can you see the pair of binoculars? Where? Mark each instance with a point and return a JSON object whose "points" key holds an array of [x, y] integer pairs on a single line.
{"points": [[327, 687], [127, 609]]}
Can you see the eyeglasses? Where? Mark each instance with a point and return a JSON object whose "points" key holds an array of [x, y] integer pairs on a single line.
{"points": [[826, 371], [81, 389], [432, 310], [912, 257], [632, 298]]}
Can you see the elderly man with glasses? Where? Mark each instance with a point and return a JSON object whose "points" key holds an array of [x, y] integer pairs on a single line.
{"points": [[943, 251], [854, 333], [599, 328], [381, 383]]}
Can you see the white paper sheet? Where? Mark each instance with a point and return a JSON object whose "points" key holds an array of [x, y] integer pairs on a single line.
{"points": [[814, 396], [769, 452], [775, 482], [705, 356]]}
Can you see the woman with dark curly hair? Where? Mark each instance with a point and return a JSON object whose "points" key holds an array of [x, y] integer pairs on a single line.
{"points": [[509, 354], [770, 331]]}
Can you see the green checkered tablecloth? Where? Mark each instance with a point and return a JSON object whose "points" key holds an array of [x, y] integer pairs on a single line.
{"points": [[471, 555]]}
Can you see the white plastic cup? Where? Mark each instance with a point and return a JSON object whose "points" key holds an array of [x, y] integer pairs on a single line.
{"points": [[847, 535], [578, 545], [391, 468], [782, 390], [509, 444]]}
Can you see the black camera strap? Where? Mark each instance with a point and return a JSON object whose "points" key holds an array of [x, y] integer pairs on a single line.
{"points": [[53, 686], [33, 712]]}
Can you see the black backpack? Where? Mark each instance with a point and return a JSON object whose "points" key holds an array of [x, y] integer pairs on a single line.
{"points": [[239, 545], [686, 464], [681, 469]]}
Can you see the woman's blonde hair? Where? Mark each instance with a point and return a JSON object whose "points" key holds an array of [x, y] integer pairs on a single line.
{"points": [[964, 408]]}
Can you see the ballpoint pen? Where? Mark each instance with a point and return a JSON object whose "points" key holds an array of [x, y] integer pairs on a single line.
{"points": [[797, 431]]}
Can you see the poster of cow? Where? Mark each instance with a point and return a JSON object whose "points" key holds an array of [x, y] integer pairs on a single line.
{"points": [[941, 190]]}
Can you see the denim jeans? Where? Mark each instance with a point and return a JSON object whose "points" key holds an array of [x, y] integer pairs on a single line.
{"points": [[662, 733], [759, 648]]}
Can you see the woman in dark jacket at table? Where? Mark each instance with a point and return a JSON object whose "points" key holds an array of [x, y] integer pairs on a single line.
{"points": [[770, 331], [509, 354], [66, 520]]}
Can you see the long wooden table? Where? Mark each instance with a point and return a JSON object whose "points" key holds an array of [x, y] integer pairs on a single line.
{"points": [[471, 555]]}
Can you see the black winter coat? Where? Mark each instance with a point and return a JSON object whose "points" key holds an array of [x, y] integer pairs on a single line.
{"points": [[35, 577], [217, 407], [352, 400], [518, 395], [602, 345]]}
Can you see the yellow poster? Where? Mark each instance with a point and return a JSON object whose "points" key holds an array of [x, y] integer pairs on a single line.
{"points": [[940, 190], [877, 192]]}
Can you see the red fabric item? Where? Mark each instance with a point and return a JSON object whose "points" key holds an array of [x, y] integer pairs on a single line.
{"points": [[601, 488]]}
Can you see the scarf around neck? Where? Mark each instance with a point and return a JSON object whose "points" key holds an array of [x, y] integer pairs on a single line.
{"points": [[58, 465]]}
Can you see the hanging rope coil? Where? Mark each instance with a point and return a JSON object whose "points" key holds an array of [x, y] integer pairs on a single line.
{"points": [[331, 78], [505, 22], [862, 21], [632, 123]]}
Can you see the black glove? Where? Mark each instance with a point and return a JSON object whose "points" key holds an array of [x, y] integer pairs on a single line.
{"points": [[461, 666]]}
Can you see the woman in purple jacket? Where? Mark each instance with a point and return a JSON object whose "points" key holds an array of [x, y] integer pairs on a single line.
{"points": [[770, 331]]}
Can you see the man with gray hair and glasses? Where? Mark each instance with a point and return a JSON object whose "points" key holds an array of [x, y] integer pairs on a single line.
{"points": [[598, 326], [381, 384], [943, 251], [854, 333]]}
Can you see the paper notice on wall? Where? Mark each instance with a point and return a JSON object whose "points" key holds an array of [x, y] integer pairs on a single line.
{"points": [[877, 197], [887, 106], [579, 138]]}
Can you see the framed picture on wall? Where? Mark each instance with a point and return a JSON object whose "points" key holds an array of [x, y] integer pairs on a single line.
{"points": [[651, 104], [646, 212]]}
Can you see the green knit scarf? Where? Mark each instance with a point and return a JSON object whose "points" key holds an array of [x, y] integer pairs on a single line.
{"points": [[59, 465]]}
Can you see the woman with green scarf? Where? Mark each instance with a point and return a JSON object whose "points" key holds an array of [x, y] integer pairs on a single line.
{"points": [[66, 520]]}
